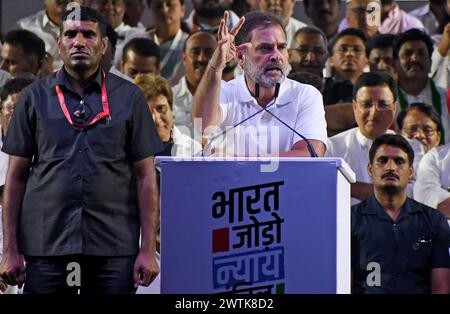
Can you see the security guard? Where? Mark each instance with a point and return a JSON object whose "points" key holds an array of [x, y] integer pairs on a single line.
{"points": [[398, 244]]}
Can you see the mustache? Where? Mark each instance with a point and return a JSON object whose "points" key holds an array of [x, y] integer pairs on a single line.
{"points": [[416, 64], [272, 65], [199, 64], [308, 64], [325, 12], [390, 175]]}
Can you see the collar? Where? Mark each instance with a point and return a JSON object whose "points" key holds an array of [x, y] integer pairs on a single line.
{"points": [[373, 207], [61, 78], [284, 95], [362, 140], [424, 93], [46, 21], [122, 28], [183, 88], [366, 142]]}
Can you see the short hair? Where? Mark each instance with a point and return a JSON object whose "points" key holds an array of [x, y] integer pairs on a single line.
{"points": [[153, 86], [371, 79], [412, 35], [312, 30], [149, 3], [194, 33], [254, 20], [423, 108], [143, 47], [31, 44], [380, 41], [394, 140], [307, 78], [85, 14], [347, 32], [15, 84]]}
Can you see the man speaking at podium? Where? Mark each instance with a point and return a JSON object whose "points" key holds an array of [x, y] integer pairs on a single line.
{"points": [[259, 113]]}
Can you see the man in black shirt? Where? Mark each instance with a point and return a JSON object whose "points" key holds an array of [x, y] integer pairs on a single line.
{"points": [[81, 181], [398, 244]]}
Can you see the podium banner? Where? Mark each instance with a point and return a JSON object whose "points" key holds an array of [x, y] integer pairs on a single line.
{"points": [[226, 227]]}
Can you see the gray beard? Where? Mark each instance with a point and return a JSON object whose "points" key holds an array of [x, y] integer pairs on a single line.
{"points": [[257, 74]]}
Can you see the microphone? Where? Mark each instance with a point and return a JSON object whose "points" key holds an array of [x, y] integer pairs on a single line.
{"points": [[277, 90], [311, 150]]}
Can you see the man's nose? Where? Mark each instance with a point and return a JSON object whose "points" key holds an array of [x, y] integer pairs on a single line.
{"points": [[309, 56], [415, 57], [390, 165], [382, 65], [419, 135], [79, 39], [276, 56], [203, 56]]}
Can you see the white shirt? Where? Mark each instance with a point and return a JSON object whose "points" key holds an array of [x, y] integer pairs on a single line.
{"points": [[41, 25], [298, 105], [182, 105], [4, 160], [233, 21], [124, 34], [115, 71], [184, 145], [427, 18], [353, 147], [425, 96], [291, 28], [433, 177], [440, 69]]}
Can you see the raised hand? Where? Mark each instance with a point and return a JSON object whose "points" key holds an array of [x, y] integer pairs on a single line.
{"points": [[226, 49]]}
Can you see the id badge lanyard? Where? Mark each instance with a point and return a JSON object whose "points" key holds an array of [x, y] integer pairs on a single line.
{"points": [[105, 106]]}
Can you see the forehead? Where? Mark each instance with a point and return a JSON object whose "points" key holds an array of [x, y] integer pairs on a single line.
{"points": [[201, 40], [382, 92], [272, 33], [381, 52], [415, 115], [75, 25], [349, 40], [159, 100], [134, 58], [12, 50], [310, 38], [414, 44], [274, 2], [390, 151]]}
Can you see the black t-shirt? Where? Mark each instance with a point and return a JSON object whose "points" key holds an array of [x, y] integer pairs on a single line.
{"points": [[405, 250], [81, 193]]}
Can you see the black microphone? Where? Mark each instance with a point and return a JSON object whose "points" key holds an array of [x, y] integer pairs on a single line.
{"points": [[311, 150]]}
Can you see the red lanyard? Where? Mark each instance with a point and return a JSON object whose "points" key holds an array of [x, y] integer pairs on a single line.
{"points": [[101, 115]]}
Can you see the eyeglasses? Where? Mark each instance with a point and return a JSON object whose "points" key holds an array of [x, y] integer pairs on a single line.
{"points": [[414, 129], [303, 52], [343, 49], [381, 105]]}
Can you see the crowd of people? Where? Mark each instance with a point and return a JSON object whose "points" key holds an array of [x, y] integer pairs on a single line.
{"points": [[96, 95]]}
